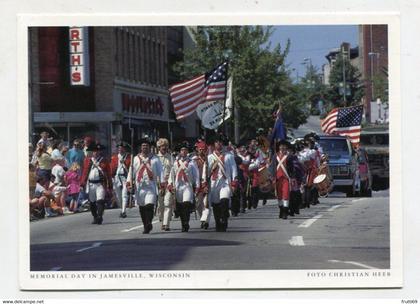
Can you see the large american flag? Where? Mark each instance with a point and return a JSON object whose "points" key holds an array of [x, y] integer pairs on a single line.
{"points": [[345, 122], [186, 96]]}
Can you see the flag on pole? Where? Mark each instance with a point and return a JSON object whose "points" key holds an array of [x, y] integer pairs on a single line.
{"points": [[279, 131], [186, 96], [211, 113], [345, 122]]}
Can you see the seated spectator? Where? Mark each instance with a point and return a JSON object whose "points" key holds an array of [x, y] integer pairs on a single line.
{"points": [[43, 202]]}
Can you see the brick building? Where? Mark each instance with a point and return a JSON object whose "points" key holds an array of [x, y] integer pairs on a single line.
{"points": [[373, 44], [127, 72]]}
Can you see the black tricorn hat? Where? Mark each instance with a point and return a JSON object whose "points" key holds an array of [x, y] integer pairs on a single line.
{"points": [[95, 147], [144, 140], [123, 144], [218, 137], [311, 136], [183, 144], [282, 142]]}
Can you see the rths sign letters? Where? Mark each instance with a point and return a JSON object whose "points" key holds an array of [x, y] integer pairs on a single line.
{"points": [[79, 56]]}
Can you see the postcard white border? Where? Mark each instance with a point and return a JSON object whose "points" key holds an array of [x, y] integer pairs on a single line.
{"points": [[267, 279]]}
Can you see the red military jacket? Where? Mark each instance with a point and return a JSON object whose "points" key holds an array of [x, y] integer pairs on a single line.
{"points": [[114, 163], [104, 165], [286, 167]]}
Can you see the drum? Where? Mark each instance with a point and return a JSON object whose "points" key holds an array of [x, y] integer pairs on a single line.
{"points": [[264, 182], [323, 184]]}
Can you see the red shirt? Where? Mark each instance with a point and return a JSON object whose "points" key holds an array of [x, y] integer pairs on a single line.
{"points": [[103, 164], [114, 163]]}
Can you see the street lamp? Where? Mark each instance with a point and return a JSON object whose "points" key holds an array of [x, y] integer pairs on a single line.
{"points": [[371, 56], [306, 60]]}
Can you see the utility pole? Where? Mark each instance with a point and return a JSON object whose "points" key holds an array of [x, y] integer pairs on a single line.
{"points": [[344, 76]]}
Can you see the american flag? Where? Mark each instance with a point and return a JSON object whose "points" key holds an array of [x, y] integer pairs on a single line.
{"points": [[345, 122], [186, 96]]}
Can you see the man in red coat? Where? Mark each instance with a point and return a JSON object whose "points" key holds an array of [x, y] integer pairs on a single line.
{"points": [[96, 178], [120, 165], [282, 168]]}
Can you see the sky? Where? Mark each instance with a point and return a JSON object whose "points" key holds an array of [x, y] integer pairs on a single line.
{"points": [[312, 42]]}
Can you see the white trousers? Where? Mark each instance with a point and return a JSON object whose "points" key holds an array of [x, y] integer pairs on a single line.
{"points": [[203, 211], [95, 192], [165, 207], [184, 193], [120, 190], [146, 194], [219, 189], [283, 203]]}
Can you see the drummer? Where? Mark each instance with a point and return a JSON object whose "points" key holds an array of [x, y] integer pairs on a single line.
{"points": [[324, 168], [308, 157]]}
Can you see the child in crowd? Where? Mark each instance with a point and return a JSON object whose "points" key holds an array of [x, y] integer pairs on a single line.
{"points": [[57, 185], [72, 179]]}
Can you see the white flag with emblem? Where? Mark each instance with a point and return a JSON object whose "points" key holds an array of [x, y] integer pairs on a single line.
{"points": [[211, 113]]}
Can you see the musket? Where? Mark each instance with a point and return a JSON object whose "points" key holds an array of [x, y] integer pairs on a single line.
{"points": [[132, 191]]}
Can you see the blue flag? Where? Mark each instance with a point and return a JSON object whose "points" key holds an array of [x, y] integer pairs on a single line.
{"points": [[279, 131]]}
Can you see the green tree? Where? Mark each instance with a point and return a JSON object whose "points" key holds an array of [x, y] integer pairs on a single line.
{"points": [[354, 86], [260, 75], [311, 89], [380, 85]]}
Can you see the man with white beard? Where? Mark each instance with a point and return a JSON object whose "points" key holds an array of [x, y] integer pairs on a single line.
{"points": [[222, 173], [147, 171], [184, 178]]}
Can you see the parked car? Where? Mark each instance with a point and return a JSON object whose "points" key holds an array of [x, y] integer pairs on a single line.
{"points": [[342, 162], [375, 141], [364, 173]]}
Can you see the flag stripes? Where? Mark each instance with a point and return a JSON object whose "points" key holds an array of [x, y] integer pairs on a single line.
{"points": [[344, 122], [188, 95]]}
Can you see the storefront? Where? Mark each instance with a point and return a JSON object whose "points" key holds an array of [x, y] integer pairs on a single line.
{"points": [[145, 109]]}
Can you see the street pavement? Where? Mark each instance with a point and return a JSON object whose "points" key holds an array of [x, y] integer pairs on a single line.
{"points": [[338, 233], [313, 124]]}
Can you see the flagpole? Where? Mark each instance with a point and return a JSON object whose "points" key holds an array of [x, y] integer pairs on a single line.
{"points": [[224, 104]]}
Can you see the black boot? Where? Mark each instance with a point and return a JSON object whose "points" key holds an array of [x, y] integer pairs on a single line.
{"points": [[150, 214], [297, 201], [216, 213], [285, 212], [243, 202], [291, 209], [101, 208], [255, 197], [280, 211], [182, 214], [143, 216], [94, 211], [187, 212], [224, 214]]}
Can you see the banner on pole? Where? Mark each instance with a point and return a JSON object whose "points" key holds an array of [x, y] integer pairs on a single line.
{"points": [[211, 113]]}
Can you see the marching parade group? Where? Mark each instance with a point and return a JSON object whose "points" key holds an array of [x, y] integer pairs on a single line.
{"points": [[211, 176]]}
